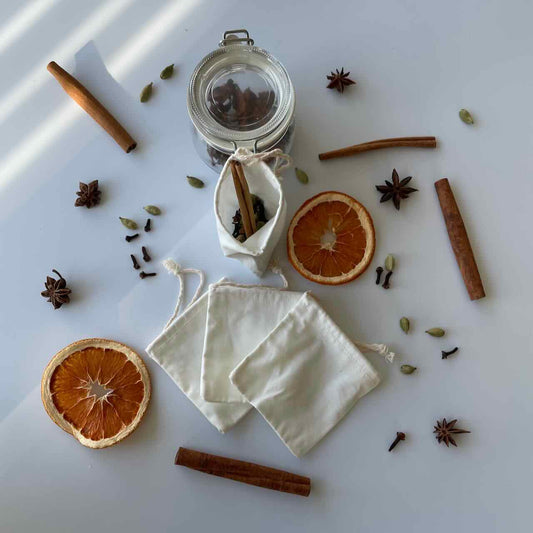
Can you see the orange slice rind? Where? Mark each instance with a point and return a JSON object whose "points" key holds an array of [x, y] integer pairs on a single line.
{"points": [[97, 390], [331, 239]]}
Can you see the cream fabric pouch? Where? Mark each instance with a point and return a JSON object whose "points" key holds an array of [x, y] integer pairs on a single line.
{"points": [[263, 181], [239, 317], [178, 350], [305, 376]]}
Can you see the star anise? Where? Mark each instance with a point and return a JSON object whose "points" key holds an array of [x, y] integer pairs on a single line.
{"points": [[445, 431], [339, 80], [397, 190], [56, 291], [88, 195]]}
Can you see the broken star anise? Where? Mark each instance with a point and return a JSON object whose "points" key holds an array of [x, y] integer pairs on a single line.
{"points": [[397, 190], [339, 80], [445, 430], [88, 195], [56, 291]]}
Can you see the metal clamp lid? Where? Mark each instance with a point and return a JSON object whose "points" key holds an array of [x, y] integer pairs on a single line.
{"points": [[231, 37]]}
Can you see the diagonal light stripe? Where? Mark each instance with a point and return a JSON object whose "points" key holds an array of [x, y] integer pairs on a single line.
{"points": [[22, 21], [36, 78]]}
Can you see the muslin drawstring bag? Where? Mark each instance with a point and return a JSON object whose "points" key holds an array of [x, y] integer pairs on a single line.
{"points": [[305, 376], [256, 251], [178, 350], [239, 317]]}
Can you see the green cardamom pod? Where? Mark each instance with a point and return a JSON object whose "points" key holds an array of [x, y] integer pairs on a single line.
{"points": [[152, 209], [435, 332], [167, 72], [130, 224], [465, 116], [404, 324], [259, 224], [301, 175], [407, 369], [389, 263], [195, 182], [146, 93]]}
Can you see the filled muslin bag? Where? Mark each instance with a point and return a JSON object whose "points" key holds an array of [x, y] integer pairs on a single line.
{"points": [[178, 350], [263, 181], [305, 376]]}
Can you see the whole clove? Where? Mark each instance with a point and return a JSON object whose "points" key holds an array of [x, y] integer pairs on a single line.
{"points": [[399, 436], [451, 352], [130, 238], [386, 283], [136, 265], [146, 255], [379, 271], [143, 274], [148, 225]]}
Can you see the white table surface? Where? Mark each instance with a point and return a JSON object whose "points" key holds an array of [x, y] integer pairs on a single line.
{"points": [[416, 64]]}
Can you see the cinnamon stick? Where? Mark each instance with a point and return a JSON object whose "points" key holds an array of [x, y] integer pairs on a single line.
{"points": [[414, 142], [243, 206], [247, 195], [459, 240], [92, 106], [250, 473]]}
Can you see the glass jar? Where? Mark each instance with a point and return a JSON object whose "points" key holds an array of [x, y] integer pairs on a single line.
{"points": [[240, 96]]}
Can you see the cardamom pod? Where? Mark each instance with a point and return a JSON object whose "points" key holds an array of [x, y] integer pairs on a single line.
{"points": [[404, 324], [146, 93], [167, 72], [465, 116], [301, 175], [435, 332], [152, 209], [195, 182], [389, 263], [407, 369], [130, 224]]}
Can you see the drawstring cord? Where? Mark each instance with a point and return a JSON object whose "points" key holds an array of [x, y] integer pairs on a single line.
{"points": [[283, 161], [176, 269], [381, 349]]}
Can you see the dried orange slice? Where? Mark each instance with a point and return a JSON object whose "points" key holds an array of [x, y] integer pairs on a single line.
{"points": [[331, 239], [97, 390]]}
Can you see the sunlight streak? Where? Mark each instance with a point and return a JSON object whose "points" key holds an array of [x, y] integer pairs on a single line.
{"points": [[22, 22], [38, 76], [122, 62]]}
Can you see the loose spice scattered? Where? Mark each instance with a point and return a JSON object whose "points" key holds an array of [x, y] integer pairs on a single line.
{"points": [[466, 117], [397, 190], [445, 430], [195, 182], [399, 436], [390, 262], [152, 209], [301, 175], [405, 324], [379, 271], [386, 283], [451, 352], [146, 255], [88, 195], [130, 224], [167, 72], [339, 80], [143, 274], [146, 93], [148, 225], [407, 369], [130, 238], [436, 332], [56, 291], [136, 265]]}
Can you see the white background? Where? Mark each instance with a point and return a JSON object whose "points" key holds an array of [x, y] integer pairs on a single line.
{"points": [[416, 64]]}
